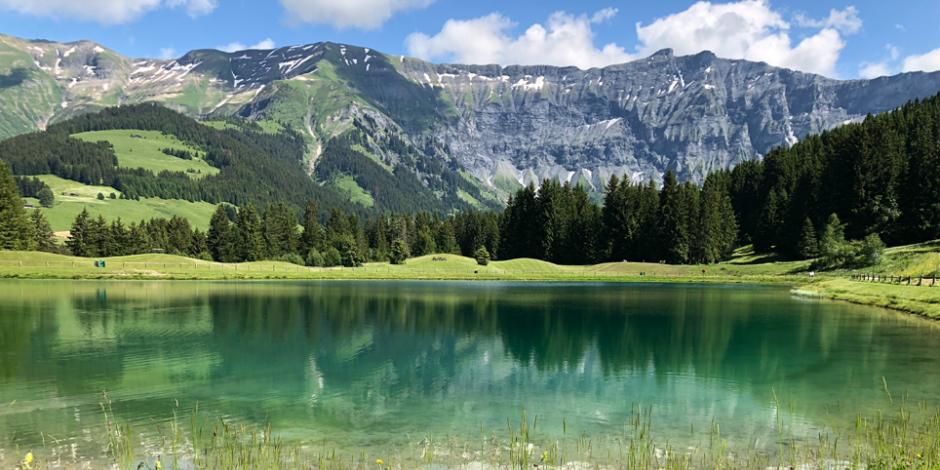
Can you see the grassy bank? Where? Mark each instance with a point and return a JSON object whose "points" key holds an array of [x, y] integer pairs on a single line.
{"points": [[923, 301], [913, 260], [744, 268]]}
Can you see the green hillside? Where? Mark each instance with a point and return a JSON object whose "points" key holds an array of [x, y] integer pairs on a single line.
{"points": [[137, 148], [72, 197]]}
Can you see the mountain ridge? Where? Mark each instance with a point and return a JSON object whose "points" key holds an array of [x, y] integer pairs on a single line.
{"points": [[496, 127]]}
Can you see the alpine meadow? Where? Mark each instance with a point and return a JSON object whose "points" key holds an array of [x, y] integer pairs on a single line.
{"points": [[709, 241]]}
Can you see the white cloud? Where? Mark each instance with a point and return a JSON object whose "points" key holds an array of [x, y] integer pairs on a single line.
{"points": [[747, 29], [603, 15], [195, 7], [845, 21], [887, 66], [927, 62], [264, 44], [104, 11], [362, 14], [874, 70], [565, 39], [239, 46], [167, 53]]}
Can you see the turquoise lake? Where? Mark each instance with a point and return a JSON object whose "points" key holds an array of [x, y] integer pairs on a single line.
{"points": [[382, 365]]}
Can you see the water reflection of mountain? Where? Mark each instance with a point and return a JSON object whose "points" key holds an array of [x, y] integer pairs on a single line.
{"points": [[372, 353]]}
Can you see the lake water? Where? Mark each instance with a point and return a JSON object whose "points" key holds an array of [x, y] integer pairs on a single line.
{"points": [[353, 365]]}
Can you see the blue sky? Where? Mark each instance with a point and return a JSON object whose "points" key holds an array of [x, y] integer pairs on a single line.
{"points": [[845, 39]]}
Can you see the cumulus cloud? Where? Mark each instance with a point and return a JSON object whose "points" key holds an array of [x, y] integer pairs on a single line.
{"points": [[565, 39], [874, 70], [745, 29], [239, 46], [928, 62], [195, 7], [751, 30], [845, 21], [342, 14], [104, 11], [887, 66]]}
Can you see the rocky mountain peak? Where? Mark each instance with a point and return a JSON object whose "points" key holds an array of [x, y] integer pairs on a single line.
{"points": [[503, 125]]}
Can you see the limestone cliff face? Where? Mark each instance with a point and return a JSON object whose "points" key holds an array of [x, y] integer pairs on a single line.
{"points": [[693, 114]]}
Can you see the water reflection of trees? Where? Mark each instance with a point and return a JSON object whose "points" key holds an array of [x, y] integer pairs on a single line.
{"points": [[388, 342]]}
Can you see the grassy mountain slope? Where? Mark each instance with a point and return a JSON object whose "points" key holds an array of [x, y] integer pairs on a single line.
{"points": [[136, 148], [71, 197]]}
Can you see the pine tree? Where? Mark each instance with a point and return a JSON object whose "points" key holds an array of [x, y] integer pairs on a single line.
{"points": [[769, 222], [250, 239], [615, 218], [399, 252], [424, 242], [349, 252], [312, 236], [673, 220], [279, 229], [199, 247], [119, 239], [15, 229], [549, 221], [834, 251], [647, 244], [715, 229], [446, 239], [179, 236], [809, 244], [80, 241], [42, 233], [729, 225], [221, 239], [100, 236]]}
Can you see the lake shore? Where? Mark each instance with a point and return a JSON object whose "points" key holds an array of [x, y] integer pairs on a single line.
{"points": [[917, 300], [921, 301]]}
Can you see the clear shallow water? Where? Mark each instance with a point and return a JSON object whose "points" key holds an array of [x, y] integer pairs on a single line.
{"points": [[380, 364]]}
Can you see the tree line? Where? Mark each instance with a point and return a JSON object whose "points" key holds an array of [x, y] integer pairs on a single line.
{"points": [[678, 223], [837, 196], [19, 230], [879, 177]]}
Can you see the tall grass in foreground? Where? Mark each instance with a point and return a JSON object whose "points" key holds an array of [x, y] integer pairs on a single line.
{"points": [[895, 441]]}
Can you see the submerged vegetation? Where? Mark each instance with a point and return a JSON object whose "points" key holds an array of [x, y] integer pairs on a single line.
{"points": [[908, 438]]}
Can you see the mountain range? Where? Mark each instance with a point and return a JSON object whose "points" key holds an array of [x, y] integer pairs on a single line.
{"points": [[456, 127]]}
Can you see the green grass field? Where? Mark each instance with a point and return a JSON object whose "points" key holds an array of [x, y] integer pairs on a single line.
{"points": [[159, 266], [919, 300], [141, 149], [913, 260], [72, 197], [348, 186]]}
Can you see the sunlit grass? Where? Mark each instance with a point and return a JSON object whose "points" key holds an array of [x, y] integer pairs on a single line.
{"points": [[31, 265]]}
